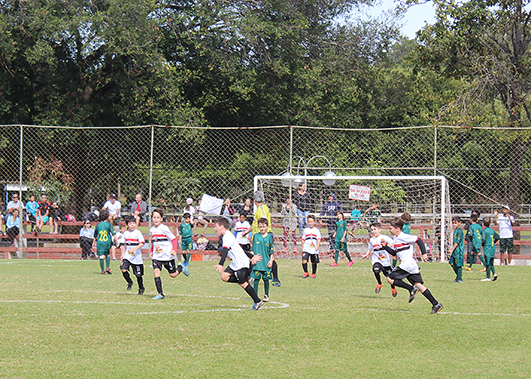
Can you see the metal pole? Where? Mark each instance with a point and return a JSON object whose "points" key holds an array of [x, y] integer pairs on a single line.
{"points": [[290, 254], [20, 239], [151, 179], [443, 218]]}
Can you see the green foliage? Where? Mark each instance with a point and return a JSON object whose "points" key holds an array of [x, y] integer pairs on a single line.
{"points": [[50, 178]]}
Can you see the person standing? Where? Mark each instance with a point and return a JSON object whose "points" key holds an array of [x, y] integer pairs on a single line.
{"points": [[329, 210], [506, 222], [303, 201]]}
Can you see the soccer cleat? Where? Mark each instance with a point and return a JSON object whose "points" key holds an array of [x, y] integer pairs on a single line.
{"points": [[306, 275], [412, 294], [103, 273], [483, 269], [159, 297], [257, 306], [468, 268], [350, 263], [485, 280], [276, 283], [436, 308], [186, 264], [393, 292], [458, 281], [494, 277], [184, 270], [108, 271], [141, 291], [129, 286], [313, 276], [378, 288], [334, 264], [265, 299], [284, 249]]}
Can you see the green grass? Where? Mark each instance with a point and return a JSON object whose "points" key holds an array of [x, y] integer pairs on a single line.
{"points": [[63, 319]]}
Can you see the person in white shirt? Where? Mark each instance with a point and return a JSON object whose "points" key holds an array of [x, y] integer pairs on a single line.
{"points": [[311, 237], [404, 248], [132, 255], [240, 227], [506, 222], [114, 207]]}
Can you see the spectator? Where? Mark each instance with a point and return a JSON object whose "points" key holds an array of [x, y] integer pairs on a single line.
{"points": [[373, 214], [55, 215], [289, 223], [12, 223], [227, 209], [303, 201], [43, 213], [248, 209], [139, 209], [200, 220], [31, 207], [329, 210], [14, 203], [114, 207], [188, 208], [86, 239]]}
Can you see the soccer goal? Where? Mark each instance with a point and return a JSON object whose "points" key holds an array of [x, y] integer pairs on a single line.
{"points": [[426, 198]]}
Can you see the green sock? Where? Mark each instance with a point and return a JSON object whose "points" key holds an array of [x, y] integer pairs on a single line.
{"points": [[348, 255], [336, 256], [188, 257], [492, 269], [102, 264], [394, 263], [460, 273], [482, 259], [266, 287], [107, 261], [256, 283], [454, 267]]}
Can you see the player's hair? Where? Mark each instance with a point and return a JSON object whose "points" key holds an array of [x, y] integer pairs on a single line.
{"points": [[457, 219], [186, 215], [122, 225], [340, 213], [129, 219], [244, 214], [159, 211], [104, 215], [263, 220], [397, 222], [406, 217], [311, 216], [486, 221], [223, 222], [376, 225], [474, 218]]}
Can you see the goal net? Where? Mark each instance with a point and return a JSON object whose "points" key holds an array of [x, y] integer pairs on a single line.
{"points": [[425, 198]]}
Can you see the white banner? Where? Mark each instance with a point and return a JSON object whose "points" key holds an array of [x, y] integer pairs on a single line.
{"points": [[359, 193]]}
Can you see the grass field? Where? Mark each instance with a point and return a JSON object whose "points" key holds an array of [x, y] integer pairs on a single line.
{"points": [[63, 319]]}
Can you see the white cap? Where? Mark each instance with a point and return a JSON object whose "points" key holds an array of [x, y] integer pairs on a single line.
{"points": [[507, 207], [189, 201]]}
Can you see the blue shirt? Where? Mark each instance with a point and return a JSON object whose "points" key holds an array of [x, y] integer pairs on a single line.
{"points": [[32, 207], [10, 222], [89, 233], [355, 215]]}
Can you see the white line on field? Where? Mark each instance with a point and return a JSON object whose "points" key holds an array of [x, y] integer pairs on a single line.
{"points": [[444, 313]]}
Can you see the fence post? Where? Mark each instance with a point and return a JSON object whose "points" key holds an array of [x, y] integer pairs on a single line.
{"points": [[21, 253]]}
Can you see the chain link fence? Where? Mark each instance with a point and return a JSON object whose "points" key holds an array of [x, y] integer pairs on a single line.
{"points": [[80, 167]]}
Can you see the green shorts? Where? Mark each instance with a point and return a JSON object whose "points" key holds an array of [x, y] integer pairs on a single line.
{"points": [[506, 245], [103, 252], [187, 244], [265, 275], [341, 246]]}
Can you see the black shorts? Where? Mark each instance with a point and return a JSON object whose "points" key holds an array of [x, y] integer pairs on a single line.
{"points": [[168, 265], [242, 275], [386, 270], [138, 270], [313, 257], [400, 274]]}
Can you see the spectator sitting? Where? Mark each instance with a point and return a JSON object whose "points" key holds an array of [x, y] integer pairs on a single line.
{"points": [[31, 208], [247, 208], [14, 204], [12, 223], [55, 215], [43, 213], [86, 239], [139, 209], [227, 209], [114, 207]]}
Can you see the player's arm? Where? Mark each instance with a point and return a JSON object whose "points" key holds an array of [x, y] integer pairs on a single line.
{"points": [[271, 259], [122, 252], [423, 251], [344, 238], [140, 246], [247, 231], [453, 248], [366, 254], [174, 246], [224, 253]]}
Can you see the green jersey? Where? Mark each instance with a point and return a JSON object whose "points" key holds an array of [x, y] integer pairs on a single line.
{"points": [[104, 233], [476, 233], [490, 237], [186, 230], [341, 228], [263, 246], [407, 228], [459, 239]]}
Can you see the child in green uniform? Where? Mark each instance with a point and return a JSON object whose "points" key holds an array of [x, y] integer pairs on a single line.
{"points": [[457, 252], [185, 235], [103, 241], [340, 236], [475, 232], [263, 246], [490, 237]]}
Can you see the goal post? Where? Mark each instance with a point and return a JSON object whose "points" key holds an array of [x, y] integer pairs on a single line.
{"points": [[426, 198]]}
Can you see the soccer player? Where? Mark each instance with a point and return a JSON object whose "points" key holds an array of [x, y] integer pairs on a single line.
{"points": [[104, 233], [490, 237], [263, 246], [118, 239], [132, 255], [238, 270], [381, 262], [457, 252], [311, 237], [340, 236], [185, 235], [475, 232], [163, 251], [506, 222], [404, 247]]}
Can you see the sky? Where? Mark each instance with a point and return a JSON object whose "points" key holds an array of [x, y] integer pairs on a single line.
{"points": [[414, 19]]}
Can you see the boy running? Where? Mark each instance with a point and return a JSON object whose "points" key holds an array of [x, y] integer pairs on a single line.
{"points": [[132, 255], [404, 248], [238, 270], [490, 237], [380, 259], [263, 246], [103, 241], [311, 237], [457, 252]]}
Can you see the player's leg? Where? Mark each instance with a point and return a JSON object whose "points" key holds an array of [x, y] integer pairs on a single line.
{"points": [[305, 257], [157, 267], [266, 278], [138, 270], [331, 231], [396, 278], [315, 261], [101, 257], [256, 276], [483, 262], [178, 270], [490, 262], [242, 275], [345, 250], [336, 253], [436, 306], [285, 241], [274, 271], [510, 250], [125, 273], [108, 261], [376, 270]]}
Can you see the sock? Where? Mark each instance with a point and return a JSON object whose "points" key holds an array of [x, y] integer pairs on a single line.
{"points": [[402, 284], [314, 268], [107, 261], [305, 267], [482, 259], [251, 292], [492, 267], [158, 284], [274, 270], [102, 264], [460, 273], [140, 282], [427, 294], [179, 269], [336, 255], [188, 257], [266, 287], [256, 283], [127, 277], [454, 267], [377, 276], [348, 256], [393, 265]]}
